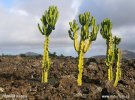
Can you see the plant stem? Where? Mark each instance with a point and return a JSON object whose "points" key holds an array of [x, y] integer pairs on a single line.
{"points": [[45, 61], [80, 64]]}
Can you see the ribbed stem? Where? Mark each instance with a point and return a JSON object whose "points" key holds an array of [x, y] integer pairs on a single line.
{"points": [[80, 64], [109, 58], [87, 46], [46, 76], [76, 42], [118, 69], [110, 73], [45, 61]]}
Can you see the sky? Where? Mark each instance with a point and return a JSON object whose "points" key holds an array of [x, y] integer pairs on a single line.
{"points": [[19, 18]]}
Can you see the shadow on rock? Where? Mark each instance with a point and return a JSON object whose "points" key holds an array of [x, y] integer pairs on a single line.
{"points": [[86, 79]]}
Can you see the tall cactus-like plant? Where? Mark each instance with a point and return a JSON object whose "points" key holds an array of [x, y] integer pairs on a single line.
{"points": [[112, 53], [106, 27], [117, 56], [86, 38], [49, 19]]}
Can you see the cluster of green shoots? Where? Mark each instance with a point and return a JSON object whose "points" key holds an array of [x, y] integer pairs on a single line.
{"points": [[88, 33], [48, 20], [113, 53], [86, 38]]}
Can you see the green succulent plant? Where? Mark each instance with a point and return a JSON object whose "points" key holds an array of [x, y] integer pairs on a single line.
{"points": [[106, 27], [117, 56], [48, 19], [112, 53], [86, 38]]}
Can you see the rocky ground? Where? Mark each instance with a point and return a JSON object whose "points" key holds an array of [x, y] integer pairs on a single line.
{"points": [[20, 79]]}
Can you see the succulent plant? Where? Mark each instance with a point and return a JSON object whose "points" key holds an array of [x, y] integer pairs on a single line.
{"points": [[49, 19], [113, 53], [117, 57], [106, 27], [86, 38]]}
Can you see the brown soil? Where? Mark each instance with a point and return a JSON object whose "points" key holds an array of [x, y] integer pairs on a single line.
{"points": [[21, 77]]}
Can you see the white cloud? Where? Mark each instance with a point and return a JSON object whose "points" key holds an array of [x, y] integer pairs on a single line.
{"points": [[18, 12], [19, 27], [19, 32], [121, 13]]}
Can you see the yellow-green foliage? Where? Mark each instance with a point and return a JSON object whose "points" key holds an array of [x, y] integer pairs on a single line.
{"points": [[112, 52], [106, 27], [118, 69], [117, 56], [49, 19], [86, 37]]}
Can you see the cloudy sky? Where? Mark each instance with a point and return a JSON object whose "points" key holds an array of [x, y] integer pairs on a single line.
{"points": [[19, 18]]}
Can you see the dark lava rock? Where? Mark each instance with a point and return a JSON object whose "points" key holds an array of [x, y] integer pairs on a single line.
{"points": [[53, 81], [85, 90], [89, 60], [22, 75], [68, 85], [131, 63]]}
